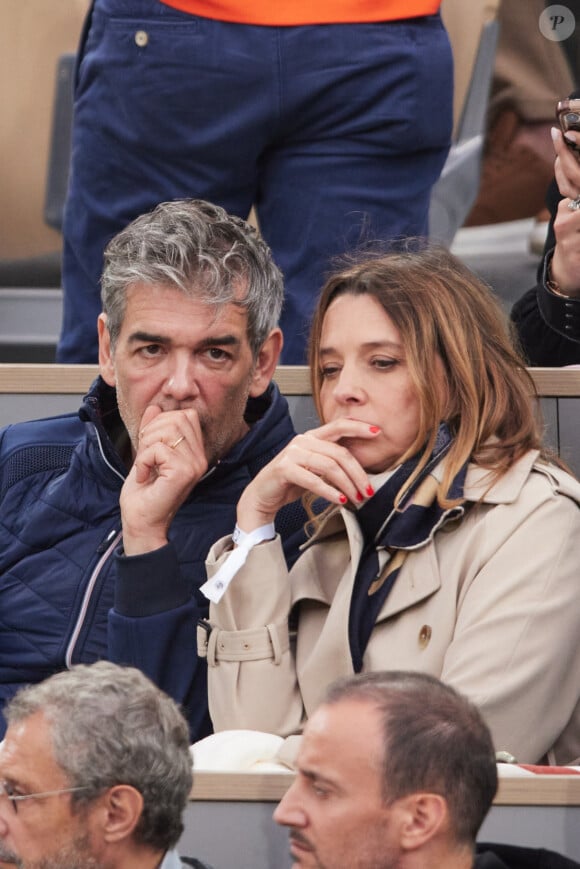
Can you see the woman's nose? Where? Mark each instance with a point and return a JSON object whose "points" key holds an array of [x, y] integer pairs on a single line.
{"points": [[347, 388]]}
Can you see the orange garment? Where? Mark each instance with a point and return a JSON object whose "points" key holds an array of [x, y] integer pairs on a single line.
{"points": [[280, 13]]}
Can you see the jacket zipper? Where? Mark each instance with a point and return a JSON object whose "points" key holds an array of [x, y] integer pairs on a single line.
{"points": [[88, 592], [106, 547]]}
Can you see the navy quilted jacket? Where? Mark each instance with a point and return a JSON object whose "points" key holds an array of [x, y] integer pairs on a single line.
{"points": [[69, 595]]}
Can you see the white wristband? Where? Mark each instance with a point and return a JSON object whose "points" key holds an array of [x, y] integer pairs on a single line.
{"points": [[215, 588], [250, 539]]}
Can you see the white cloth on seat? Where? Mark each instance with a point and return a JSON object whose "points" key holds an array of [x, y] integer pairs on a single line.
{"points": [[238, 751]]}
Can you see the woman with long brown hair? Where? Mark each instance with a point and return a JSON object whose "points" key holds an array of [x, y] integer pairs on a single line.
{"points": [[450, 539]]}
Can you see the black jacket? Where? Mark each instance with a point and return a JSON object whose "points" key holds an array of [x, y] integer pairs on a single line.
{"points": [[491, 855], [548, 325]]}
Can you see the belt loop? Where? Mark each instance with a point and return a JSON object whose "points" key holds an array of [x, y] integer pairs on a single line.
{"points": [[204, 629], [275, 640], [211, 648]]}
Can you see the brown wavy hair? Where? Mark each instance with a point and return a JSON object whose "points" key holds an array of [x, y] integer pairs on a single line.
{"points": [[441, 308]]}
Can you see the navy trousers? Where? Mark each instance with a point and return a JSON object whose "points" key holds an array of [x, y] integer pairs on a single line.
{"points": [[336, 133]]}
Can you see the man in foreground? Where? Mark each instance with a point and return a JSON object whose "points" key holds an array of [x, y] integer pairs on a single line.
{"points": [[107, 517], [396, 771], [95, 771]]}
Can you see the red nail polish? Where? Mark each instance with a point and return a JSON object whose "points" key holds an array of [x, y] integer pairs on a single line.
{"points": [[374, 429], [359, 497], [369, 490], [343, 499]]}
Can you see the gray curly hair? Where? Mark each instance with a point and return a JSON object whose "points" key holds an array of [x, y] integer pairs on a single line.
{"points": [[203, 251], [111, 725]]}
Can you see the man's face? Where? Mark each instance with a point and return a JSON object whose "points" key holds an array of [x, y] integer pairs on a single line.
{"points": [[334, 809], [177, 353], [42, 833]]}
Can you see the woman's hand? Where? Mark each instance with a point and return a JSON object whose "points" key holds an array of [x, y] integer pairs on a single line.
{"points": [[567, 165], [313, 462], [565, 265]]}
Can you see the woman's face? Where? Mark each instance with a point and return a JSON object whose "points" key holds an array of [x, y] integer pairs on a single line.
{"points": [[365, 377]]}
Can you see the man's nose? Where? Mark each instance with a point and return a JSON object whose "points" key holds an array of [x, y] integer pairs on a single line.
{"points": [[289, 812], [181, 382], [4, 827]]}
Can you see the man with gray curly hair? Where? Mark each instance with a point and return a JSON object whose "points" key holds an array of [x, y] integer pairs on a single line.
{"points": [[95, 771], [108, 515]]}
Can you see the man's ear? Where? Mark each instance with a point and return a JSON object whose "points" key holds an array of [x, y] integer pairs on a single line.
{"points": [[422, 817], [265, 364], [121, 808], [105, 351]]}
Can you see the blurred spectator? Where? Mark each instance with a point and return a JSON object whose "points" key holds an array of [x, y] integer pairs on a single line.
{"points": [[334, 120], [547, 317], [531, 75]]}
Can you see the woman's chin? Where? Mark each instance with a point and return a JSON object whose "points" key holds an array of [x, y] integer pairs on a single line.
{"points": [[372, 460]]}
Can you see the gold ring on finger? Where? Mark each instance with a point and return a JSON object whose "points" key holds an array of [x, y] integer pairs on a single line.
{"points": [[177, 442]]}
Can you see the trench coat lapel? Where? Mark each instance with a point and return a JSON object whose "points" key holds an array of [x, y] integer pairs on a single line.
{"points": [[327, 577]]}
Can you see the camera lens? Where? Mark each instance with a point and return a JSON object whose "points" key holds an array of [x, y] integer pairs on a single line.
{"points": [[572, 117]]}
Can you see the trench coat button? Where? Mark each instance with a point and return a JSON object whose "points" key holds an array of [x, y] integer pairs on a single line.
{"points": [[424, 636], [141, 38]]}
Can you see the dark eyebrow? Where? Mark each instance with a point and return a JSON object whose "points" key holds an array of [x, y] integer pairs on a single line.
{"points": [[220, 341], [316, 777], [147, 338], [368, 345], [210, 341], [15, 782]]}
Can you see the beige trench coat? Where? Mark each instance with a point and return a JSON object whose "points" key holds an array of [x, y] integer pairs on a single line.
{"points": [[491, 606]]}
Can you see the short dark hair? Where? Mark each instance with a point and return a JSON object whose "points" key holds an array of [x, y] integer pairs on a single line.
{"points": [[434, 740], [111, 725]]}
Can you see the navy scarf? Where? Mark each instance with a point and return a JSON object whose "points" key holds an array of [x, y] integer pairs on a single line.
{"points": [[399, 531]]}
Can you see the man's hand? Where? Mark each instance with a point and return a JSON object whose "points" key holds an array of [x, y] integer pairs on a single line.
{"points": [[170, 460]]}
